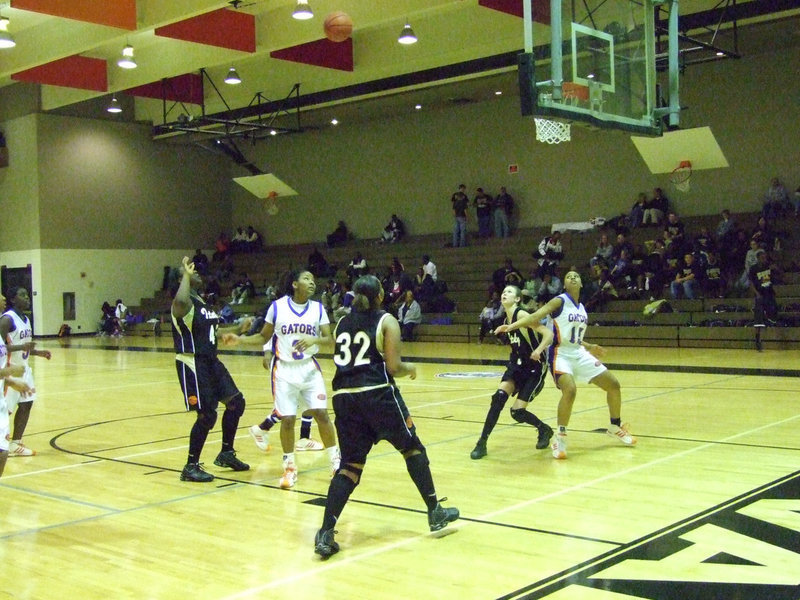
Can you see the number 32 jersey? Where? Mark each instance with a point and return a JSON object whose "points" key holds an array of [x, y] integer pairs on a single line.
{"points": [[569, 326], [358, 358]]}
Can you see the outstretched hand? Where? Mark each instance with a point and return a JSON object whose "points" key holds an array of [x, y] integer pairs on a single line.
{"points": [[230, 339], [188, 265], [501, 329]]}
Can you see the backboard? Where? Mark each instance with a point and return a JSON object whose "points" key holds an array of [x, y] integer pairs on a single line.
{"points": [[598, 65]]}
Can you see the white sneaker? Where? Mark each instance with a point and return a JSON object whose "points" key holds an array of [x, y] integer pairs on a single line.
{"points": [[559, 446], [289, 477], [307, 444], [260, 437], [622, 434], [19, 449]]}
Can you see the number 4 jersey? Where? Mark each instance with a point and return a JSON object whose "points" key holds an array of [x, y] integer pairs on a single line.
{"points": [[358, 358]]}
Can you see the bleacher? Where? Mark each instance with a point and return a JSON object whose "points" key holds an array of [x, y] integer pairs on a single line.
{"points": [[706, 322]]}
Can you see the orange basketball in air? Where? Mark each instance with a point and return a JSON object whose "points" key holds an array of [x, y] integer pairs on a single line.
{"points": [[338, 26]]}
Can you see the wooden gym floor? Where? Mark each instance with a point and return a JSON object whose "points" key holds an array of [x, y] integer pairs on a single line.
{"points": [[706, 506]]}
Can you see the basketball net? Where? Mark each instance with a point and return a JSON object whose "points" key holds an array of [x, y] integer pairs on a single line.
{"points": [[272, 203], [552, 132], [681, 176]]}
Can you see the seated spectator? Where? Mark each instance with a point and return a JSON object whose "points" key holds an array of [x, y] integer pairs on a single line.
{"points": [[622, 244], [109, 325], [508, 274], [676, 230], [750, 259], [238, 240], [393, 289], [357, 267], [527, 300], [622, 274], [703, 244], [339, 235], [636, 218], [331, 296], [765, 235], [393, 232], [687, 280], [243, 290], [550, 288], [655, 208], [650, 281], [409, 315], [347, 296], [602, 255], [491, 316], [776, 200], [605, 292], [252, 240], [429, 269], [222, 247], [212, 290], [549, 254], [200, 261], [726, 229], [318, 266], [713, 281], [120, 313]]}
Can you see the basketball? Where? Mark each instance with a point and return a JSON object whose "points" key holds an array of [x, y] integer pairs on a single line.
{"points": [[338, 26]]}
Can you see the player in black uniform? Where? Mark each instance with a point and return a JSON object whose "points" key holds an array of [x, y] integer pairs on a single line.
{"points": [[524, 376], [369, 408], [204, 379]]}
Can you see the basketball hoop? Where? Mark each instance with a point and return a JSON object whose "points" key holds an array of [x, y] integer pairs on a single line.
{"points": [[681, 176], [272, 203], [552, 132]]}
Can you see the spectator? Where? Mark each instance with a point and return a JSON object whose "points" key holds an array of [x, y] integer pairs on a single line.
{"points": [[409, 315], [750, 259], [212, 291], [676, 230], [765, 235], [655, 208], [109, 325], [687, 279], [331, 296], [603, 253], [120, 313], [393, 232], [652, 276], [549, 254], [622, 273], [483, 208], [200, 261], [726, 229], [222, 247], [550, 288], [605, 292], [429, 269], [318, 266], [238, 240], [460, 202], [252, 240], [503, 207], [622, 244], [347, 296], [339, 235], [243, 290], [357, 267], [763, 275], [491, 316], [776, 200], [713, 281], [637, 211], [508, 274]]}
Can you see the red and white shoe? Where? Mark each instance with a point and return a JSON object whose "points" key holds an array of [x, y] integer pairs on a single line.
{"points": [[622, 434], [19, 449], [307, 445], [260, 437], [289, 477], [559, 446]]}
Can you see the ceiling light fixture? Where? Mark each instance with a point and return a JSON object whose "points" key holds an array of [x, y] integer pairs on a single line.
{"points": [[232, 78], [6, 41], [334, 121], [127, 61], [302, 11], [407, 36], [418, 107], [114, 107]]}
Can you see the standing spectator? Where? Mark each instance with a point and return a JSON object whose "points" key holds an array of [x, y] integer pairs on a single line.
{"points": [[483, 208], [204, 380], [763, 276], [549, 253], [409, 315], [16, 330], [687, 280], [369, 408], [776, 200], [200, 261], [524, 376], [460, 202], [503, 207]]}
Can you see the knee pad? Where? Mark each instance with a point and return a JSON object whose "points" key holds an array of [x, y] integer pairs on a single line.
{"points": [[499, 398], [207, 420], [516, 414], [414, 444], [236, 405], [357, 471]]}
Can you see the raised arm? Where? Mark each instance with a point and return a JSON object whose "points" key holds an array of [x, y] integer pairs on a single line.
{"points": [[182, 303], [533, 319]]}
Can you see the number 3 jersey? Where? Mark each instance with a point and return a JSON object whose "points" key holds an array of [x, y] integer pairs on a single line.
{"points": [[290, 321], [569, 325], [358, 358]]}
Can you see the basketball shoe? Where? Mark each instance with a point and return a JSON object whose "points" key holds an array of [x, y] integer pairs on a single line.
{"points": [[260, 437], [289, 477], [324, 544], [194, 472], [307, 444], [439, 517], [559, 446], [545, 433], [479, 451], [622, 434], [17, 448], [227, 458]]}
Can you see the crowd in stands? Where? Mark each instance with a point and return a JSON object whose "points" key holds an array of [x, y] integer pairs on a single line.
{"points": [[492, 214]]}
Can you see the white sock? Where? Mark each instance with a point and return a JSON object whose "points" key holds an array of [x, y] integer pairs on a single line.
{"points": [[288, 459], [333, 452]]}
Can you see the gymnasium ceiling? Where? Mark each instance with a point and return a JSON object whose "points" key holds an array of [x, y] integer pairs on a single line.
{"points": [[67, 51]]}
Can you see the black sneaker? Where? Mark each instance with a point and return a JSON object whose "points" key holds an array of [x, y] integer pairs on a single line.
{"points": [[439, 517], [545, 433], [227, 458], [324, 544], [479, 451], [194, 472]]}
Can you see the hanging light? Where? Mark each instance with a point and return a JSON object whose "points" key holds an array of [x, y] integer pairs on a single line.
{"points": [[302, 11], [114, 107], [6, 40], [232, 78], [127, 61], [407, 36]]}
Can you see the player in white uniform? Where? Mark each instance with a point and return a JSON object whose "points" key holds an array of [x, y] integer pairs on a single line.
{"points": [[7, 375], [572, 359], [15, 329], [296, 327]]}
